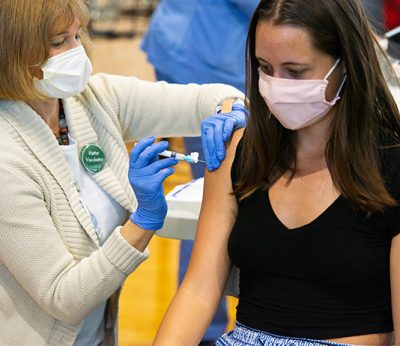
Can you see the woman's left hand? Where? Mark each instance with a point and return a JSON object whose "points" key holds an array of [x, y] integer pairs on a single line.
{"points": [[217, 129]]}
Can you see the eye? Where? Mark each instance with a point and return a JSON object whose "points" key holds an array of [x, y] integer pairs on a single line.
{"points": [[78, 36], [57, 44], [267, 70], [295, 73]]}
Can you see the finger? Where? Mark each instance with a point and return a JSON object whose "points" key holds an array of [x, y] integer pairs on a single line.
{"points": [[228, 128], [159, 165], [240, 114], [218, 139], [204, 145], [139, 147], [163, 174], [158, 179], [206, 138], [213, 164], [150, 154], [160, 147], [213, 160]]}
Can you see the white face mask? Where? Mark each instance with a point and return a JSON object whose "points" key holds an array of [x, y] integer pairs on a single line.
{"points": [[65, 74]]}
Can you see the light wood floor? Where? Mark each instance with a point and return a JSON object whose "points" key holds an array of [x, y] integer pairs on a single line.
{"points": [[148, 291]]}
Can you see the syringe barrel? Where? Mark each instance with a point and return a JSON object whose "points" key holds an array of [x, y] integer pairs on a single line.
{"points": [[192, 158], [168, 153]]}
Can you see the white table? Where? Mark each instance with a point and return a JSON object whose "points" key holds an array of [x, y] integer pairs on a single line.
{"points": [[184, 203]]}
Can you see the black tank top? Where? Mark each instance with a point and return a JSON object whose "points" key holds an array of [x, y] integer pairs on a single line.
{"points": [[327, 279]]}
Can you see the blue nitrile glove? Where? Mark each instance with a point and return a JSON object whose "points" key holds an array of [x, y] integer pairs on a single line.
{"points": [[146, 175], [217, 129]]}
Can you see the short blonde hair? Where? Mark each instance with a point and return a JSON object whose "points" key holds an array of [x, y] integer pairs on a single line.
{"points": [[26, 27]]}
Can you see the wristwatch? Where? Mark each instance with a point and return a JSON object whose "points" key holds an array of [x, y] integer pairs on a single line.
{"points": [[225, 106]]}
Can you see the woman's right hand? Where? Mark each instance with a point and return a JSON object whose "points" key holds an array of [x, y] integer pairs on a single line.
{"points": [[146, 175]]}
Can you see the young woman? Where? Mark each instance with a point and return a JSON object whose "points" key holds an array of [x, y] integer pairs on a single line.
{"points": [[71, 227], [306, 204]]}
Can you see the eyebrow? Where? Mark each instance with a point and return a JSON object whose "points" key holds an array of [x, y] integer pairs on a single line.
{"points": [[285, 63], [66, 32], [295, 63], [61, 33]]}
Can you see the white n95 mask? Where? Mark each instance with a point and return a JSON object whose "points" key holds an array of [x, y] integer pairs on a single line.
{"points": [[65, 74]]}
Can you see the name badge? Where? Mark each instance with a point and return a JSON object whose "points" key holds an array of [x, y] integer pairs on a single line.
{"points": [[92, 158]]}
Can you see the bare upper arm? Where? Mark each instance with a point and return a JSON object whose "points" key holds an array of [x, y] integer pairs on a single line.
{"points": [[395, 284], [217, 217]]}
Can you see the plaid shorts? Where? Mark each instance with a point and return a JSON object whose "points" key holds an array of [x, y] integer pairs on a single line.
{"points": [[242, 335]]}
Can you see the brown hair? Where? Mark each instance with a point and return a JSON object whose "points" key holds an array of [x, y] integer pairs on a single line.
{"points": [[368, 121], [26, 27]]}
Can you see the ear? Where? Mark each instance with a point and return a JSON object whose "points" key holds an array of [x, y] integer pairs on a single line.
{"points": [[383, 43], [36, 72]]}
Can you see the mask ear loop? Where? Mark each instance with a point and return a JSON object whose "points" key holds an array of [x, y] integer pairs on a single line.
{"points": [[332, 69], [341, 85], [344, 78]]}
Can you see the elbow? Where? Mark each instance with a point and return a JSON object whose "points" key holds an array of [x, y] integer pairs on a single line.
{"points": [[72, 320], [66, 311], [72, 317]]}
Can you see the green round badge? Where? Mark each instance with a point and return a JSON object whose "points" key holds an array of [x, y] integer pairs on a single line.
{"points": [[92, 158]]}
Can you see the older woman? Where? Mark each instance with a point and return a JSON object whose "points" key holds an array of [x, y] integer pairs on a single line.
{"points": [[72, 228]]}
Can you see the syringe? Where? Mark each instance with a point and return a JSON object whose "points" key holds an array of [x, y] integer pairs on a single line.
{"points": [[192, 158]]}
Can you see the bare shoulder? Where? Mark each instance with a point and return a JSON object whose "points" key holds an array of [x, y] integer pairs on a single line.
{"points": [[395, 282], [395, 255], [232, 145], [218, 189], [226, 165]]}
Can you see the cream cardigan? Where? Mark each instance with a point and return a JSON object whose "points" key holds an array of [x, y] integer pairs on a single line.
{"points": [[53, 272]]}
